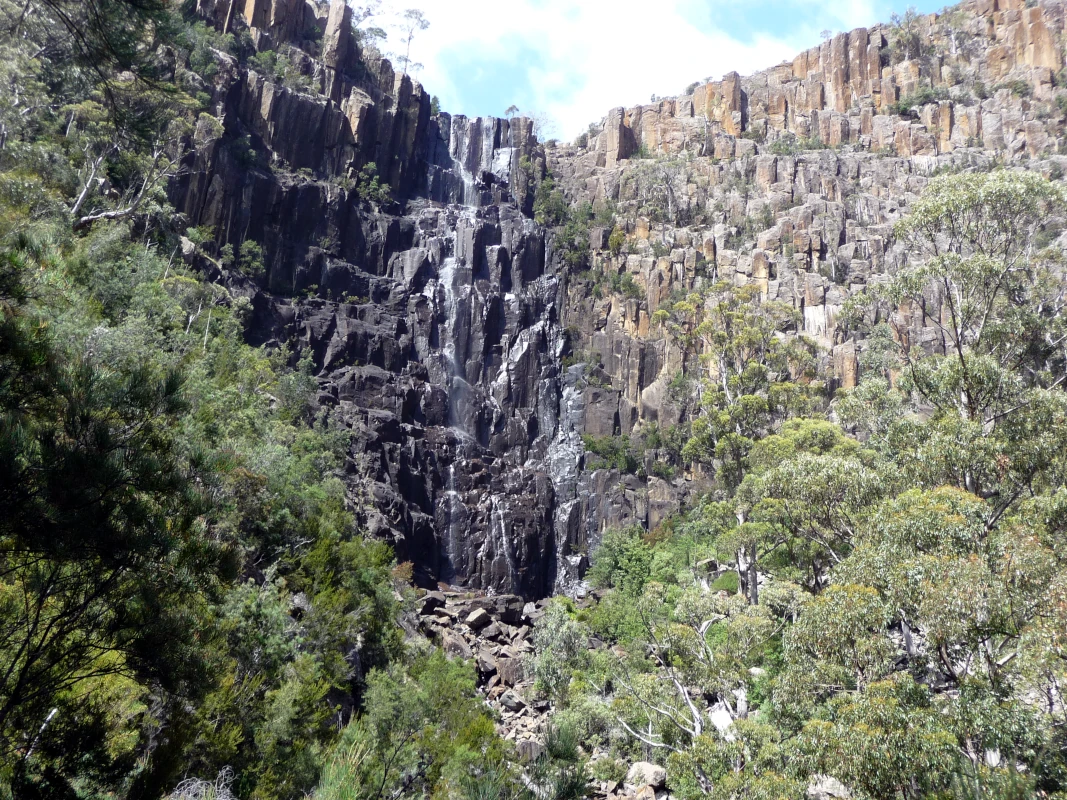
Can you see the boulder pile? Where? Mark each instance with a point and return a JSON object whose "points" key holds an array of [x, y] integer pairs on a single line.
{"points": [[496, 633], [493, 632]]}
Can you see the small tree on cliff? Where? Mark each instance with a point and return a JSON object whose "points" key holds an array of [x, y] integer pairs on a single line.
{"points": [[361, 14], [412, 21]]}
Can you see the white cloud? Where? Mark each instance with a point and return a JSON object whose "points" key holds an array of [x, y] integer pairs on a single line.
{"points": [[584, 58]]}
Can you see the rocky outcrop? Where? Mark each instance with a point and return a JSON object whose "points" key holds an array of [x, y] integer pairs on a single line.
{"points": [[495, 632], [478, 162], [845, 91], [792, 179], [432, 321]]}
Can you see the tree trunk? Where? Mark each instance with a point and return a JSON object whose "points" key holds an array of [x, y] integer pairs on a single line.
{"points": [[753, 578]]}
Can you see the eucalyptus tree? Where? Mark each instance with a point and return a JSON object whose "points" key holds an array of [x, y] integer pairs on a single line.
{"points": [[989, 394]]}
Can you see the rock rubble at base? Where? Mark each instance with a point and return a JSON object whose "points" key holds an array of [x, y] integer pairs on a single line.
{"points": [[495, 633]]}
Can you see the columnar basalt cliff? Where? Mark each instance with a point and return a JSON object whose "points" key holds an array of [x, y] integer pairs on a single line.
{"points": [[444, 327], [847, 91], [791, 180]]}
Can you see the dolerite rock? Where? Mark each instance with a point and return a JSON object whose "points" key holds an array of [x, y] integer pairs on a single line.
{"points": [[454, 645], [644, 773], [478, 619], [529, 750], [435, 330], [510, 671], [509, 608], [431, 601], [486, 663], [512, 701], [826, 787]]}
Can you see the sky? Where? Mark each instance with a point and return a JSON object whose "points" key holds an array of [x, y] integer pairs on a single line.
{"points": [[571, 61]]}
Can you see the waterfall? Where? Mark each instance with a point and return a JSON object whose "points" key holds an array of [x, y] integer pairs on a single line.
{"points": [[482, 451], [448, 571]]}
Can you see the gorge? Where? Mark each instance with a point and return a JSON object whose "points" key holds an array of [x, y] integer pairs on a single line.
{"points": [[355, 450]]}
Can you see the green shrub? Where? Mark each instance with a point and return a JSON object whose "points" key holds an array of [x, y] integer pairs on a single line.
{"points": [[793, 145], [623, 283], [663, 470], [920, 97], [1018, 87], [251, 259], [559, 644], [200, 42], [550, 207], [283, 68], [622, 561], [611, 452], [369, 186], [243, 152], [727, 582]]}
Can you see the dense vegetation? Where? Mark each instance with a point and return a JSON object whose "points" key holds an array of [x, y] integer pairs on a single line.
{"points": [[184, 598]]}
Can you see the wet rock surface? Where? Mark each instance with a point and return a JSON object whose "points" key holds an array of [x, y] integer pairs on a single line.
{"points": [[432, 321]]}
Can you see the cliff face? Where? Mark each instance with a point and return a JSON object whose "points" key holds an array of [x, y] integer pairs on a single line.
{"points": [[432, 321], [791, 180], [844, 91], [440, 323]]}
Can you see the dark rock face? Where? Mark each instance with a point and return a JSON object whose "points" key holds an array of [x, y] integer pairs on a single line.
{"points": [[444, 358], [433, 324], [450, 377]]}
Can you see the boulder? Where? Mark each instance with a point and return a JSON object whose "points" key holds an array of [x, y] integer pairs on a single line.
{"points": [[512, 701], [510, 670], [509, 609], [454, 645], [431, 601], [529, 750], [486, 663], [644, 773], [478, 619], [826, 787]]}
